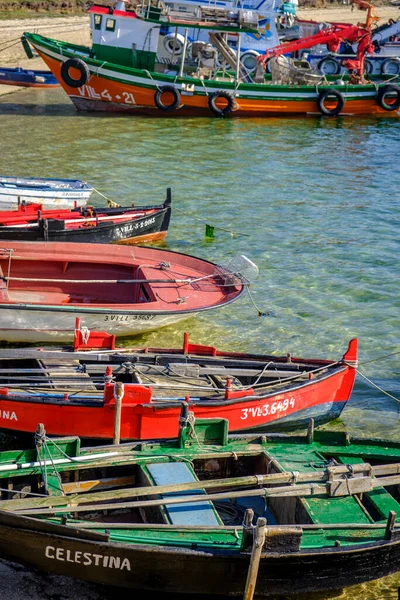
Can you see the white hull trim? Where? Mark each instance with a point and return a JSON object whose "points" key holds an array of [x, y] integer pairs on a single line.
{"points": [[11, 202], [19, 325]]}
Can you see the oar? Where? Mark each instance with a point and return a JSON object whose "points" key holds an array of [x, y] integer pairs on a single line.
{"points": [[246, 481], [303, 490], [188, 280]]}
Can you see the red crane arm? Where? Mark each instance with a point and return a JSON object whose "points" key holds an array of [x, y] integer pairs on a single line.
{"points": [[332, 36]]}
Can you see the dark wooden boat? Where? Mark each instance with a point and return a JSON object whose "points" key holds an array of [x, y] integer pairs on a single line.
{"points": [[131, 225], [187, 516], [27, 78], [75, 393]]}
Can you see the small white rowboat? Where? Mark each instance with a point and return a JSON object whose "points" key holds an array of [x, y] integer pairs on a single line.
{"points": [[50, 193]]}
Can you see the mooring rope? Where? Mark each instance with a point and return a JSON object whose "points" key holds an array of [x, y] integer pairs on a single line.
{"points": [[377, 386], [366, 362], [233, 233]]}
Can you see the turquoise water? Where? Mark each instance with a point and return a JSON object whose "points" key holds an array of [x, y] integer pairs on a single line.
{"points": [[313, 202]]}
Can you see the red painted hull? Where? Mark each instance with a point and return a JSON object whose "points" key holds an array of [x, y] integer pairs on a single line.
{"points": [[322, 398]]}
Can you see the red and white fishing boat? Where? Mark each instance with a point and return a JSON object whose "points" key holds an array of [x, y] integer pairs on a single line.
{"points": [[44, 286], [141, 392]]}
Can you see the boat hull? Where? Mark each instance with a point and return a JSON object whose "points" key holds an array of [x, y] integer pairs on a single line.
{"points": [[63, 551], [32, 324], [150, 227], [322, 399], [113, 88], [50, 193], [123, 292], [27, 78]]}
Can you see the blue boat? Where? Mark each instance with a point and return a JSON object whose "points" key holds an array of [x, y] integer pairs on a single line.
{"points": [[27, 78]]}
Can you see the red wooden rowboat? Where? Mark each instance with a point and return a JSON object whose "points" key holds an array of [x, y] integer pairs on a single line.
{"points": [[44, 286], [77, 392]]}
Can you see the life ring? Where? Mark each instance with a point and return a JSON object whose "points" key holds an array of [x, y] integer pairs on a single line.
{"points": [[388, 64], [167, 89], [330, 93], [384, 92], [79, 65], [174, 43], [249, 60], [212, 103], [329, 66]]}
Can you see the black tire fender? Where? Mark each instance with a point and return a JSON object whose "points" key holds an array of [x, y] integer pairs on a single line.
{"points": [[79, 65], [167, 89], [212, 103], [329, 93], [329, 60], [391, 89], [391, 61], [368, 67]]}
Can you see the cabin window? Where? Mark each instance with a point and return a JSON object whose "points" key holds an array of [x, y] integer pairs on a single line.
{"points": [[110, 25], [97, 21]]}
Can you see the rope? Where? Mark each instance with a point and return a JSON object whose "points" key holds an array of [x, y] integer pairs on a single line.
{"points": [[366, 362], [191, 420], [377, 387], [110, 202], [153, 80], [260, 312], [233, 233], [10, 46]]}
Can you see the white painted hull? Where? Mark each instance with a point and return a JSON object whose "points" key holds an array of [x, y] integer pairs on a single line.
{"points": [[57, 325], [51, 193], [9, 203]]}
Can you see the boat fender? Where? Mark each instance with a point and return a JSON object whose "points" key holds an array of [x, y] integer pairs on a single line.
{"points": [[330, 93], [79, 65], [167, 89], [329, 66], [368, 67], [392, 91], [388, 64], [26, 46], [212, 103]]}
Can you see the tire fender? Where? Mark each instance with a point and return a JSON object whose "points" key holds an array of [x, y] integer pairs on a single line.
{"points": [[330, 112], [391, 89], [79, 65], [328, 60], [386, 65], [167, 89], [212, 103]]}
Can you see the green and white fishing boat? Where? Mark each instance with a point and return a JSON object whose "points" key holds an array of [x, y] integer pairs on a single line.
{"points": [[123, 70]]}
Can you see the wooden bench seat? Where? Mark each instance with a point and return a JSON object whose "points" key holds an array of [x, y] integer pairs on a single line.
{"points": [[195, 513]]}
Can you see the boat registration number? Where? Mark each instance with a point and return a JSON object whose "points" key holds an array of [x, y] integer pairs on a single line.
{"points": [[89, 92], [126, 318], [271, 408]]}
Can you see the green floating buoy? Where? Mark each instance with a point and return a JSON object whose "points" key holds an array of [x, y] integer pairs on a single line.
{"points": [[210, 232]]}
